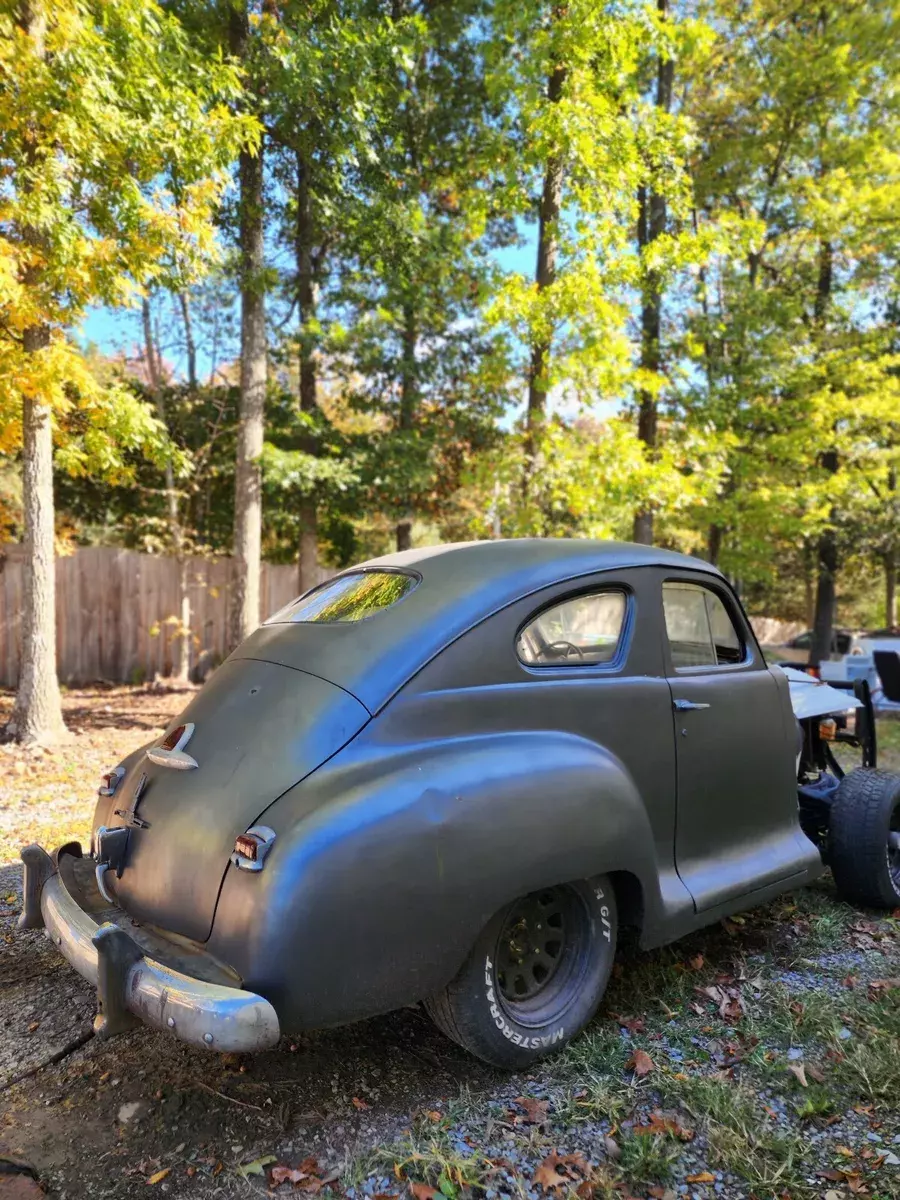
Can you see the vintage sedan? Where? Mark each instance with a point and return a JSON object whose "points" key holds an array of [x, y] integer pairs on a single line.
{"points": [[452, 776]]}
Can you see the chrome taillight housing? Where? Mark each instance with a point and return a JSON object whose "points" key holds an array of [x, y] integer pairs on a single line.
{"points": [[251, 848], [110, 781]]}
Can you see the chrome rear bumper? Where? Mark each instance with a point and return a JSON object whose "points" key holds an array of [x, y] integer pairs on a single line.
{"points": [[132, 987]]}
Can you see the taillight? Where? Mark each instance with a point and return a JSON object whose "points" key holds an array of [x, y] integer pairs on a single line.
{"points": [[110, 781], [251, 848], [246, 845]]}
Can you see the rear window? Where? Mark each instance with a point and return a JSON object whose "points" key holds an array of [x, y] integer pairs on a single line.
{"points": [[350, 597], [583, 629]]}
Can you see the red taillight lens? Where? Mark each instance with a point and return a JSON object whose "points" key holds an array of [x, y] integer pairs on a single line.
{"points": [[110, 781], [246, 845], [171, 740]]}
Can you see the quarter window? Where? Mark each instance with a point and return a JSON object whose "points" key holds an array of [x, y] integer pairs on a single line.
{"points": [[700, 631], [349, 597], [583, 629]]}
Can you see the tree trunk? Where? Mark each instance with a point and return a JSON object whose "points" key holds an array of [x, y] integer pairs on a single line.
{"points": [[404, 534], [409, 398], [307, 300], [308, 551], [245, 598], [826, 586], [181, 667], [713, 544], [651, 224], [545, 275], [190, 345], [809, 591], [890, 588], [37, 712], [826, 598]]}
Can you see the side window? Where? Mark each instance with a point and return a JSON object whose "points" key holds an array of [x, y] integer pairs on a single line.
{"points": [[700, 631], [583, 629]]}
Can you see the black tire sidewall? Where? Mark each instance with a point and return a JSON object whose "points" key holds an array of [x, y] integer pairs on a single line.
{"points": [[485, 1025], [857, 845]]}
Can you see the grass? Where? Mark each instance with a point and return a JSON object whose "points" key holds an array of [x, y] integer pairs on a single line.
{"points": [[801, 1077]]}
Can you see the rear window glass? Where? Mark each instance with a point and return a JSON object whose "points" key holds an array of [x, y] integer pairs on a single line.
{"points": [[348, 598], [584, 629]]}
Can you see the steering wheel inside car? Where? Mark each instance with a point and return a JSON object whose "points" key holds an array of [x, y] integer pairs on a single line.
{"points": [[566, 647]]}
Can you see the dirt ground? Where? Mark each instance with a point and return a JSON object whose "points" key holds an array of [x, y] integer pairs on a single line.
{"points": [[759, 1058]]}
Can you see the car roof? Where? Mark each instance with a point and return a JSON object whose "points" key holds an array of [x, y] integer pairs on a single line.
{"points": [[461, 583], [500, 556]]}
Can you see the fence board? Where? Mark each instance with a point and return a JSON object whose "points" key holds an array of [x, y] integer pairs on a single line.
{"points": [[109, 602]]}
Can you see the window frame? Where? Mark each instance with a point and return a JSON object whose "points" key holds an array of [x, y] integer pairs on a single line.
{"points": [[615, 664], [735, 615], [406, 571]]}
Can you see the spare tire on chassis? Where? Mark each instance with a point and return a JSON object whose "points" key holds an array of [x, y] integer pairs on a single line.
{"points": [[864, 838], [535, 976]]}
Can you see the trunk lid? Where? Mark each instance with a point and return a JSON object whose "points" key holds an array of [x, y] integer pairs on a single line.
{"points": [[259, 729]]}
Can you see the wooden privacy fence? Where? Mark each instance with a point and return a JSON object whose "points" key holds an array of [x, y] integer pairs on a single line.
{"points": [[118, 612]]}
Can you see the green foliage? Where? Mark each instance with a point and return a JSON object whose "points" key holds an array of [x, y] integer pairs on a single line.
{"points": [[407, 145], [114, 142]]}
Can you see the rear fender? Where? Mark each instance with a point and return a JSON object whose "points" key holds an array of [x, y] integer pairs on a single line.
{"points": [[388, 862]]}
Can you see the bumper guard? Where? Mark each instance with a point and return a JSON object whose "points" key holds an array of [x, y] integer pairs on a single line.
{"points": [[132, 987]]}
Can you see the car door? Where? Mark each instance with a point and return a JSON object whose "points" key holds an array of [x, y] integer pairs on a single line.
{"points": [[737, 827]]}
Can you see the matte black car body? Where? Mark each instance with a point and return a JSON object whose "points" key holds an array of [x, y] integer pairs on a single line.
{"points": [[418, 777]]}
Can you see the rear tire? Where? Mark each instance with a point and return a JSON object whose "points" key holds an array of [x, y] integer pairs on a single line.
{"points": [[535, 976], [864, 839]]}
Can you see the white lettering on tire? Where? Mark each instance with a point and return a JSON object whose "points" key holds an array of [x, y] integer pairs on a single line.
{"points": [[518, 1039]]}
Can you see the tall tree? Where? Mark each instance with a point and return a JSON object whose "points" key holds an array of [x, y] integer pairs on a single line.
{"points": [[98, 101], [587, 141], [548, 246], [794, 355], [323, 96], [409, 340], [651, 225], [152, 360], [245, 595], [37, 715]]}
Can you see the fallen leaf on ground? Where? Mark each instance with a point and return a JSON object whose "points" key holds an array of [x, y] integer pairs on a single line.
{"points": [[423, 1191], [884, 985], [159, 1176], [799, 1072], [641, 1063], [257, 1167], [304, 1177], [632, 1024], [660, 1124], [535, 1110], [561, 1170], [546, 1176], [701, 1177], [696, 962], [360, 1104]]}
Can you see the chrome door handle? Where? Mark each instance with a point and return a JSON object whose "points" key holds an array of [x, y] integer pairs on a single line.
{"points": [[687, 705]]}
